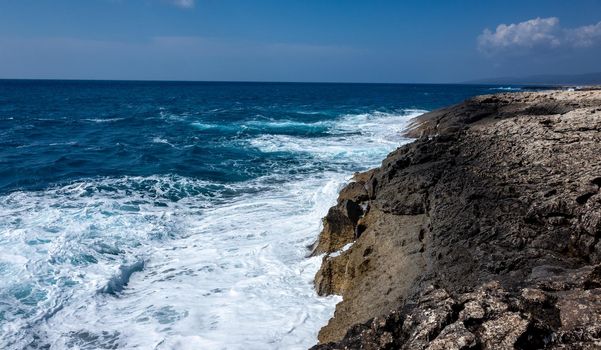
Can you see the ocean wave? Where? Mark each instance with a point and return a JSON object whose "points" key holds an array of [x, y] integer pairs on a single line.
{"points": [[69, 143], [360, 138], [120, 280], [254, 127], [162, 141], [506, 88], [102, 120], [216, 189], [286, 124], [97, 235], [168, 261]]}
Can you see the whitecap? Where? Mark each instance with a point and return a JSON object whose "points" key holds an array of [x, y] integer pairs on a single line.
{"points": [[506, 88], [360, 138], [102, 120], [163, 141]]}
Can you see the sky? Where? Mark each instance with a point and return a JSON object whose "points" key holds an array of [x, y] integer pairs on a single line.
{"points": [[393, 41]]}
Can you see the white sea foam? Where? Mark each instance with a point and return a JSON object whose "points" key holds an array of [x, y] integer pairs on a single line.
{"points": [[506, 88], [362, 138], [169, 262], [103, 120], [163, 141], [342, 250], [285, 124], [70, 143]]}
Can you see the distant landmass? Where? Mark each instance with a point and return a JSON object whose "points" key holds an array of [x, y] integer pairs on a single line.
{"points": [[544, 79]]}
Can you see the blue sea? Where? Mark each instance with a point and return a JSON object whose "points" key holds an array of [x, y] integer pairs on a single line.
{"points": [[177, 215]]}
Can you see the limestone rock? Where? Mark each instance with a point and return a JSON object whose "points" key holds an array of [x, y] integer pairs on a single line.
{"points": [[484, 233]]}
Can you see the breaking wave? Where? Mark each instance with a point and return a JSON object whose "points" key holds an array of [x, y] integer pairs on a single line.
{"points": [[169, 261]]}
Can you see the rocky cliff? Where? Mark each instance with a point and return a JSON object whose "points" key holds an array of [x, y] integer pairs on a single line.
{"points": [[481, 234]]}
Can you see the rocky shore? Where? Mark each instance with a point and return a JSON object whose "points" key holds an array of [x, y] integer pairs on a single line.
{"points": [[481, 234]]}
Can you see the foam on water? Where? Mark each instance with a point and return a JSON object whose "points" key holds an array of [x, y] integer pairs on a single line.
{"points": [[260, 126], [170, 262], [506, 88], [359, 138]]}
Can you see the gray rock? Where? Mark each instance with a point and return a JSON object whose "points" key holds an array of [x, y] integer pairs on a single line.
{"points": [[481, 234]]}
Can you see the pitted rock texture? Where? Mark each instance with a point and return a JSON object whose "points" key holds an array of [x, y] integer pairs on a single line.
{"points": [[481, 234]]}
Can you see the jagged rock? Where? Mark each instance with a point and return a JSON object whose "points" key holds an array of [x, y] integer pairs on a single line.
{"points": [[388, 258], [453, 337], [331, 278], [339, 227], [502, 333], [355, 191], [488, 317], [482, 234], [364, 177]]}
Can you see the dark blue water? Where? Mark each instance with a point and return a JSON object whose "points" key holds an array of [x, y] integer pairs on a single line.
{"points": [[175, 214], [57, 131]]}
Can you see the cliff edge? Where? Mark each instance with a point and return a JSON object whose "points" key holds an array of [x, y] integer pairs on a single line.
{"points": [[481, 234]]}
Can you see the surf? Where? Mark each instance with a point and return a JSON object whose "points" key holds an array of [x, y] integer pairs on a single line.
{"points": [[182, 222]]}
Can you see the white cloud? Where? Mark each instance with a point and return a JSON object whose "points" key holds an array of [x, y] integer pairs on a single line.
{"points": [[186, 4], [538, 33], [585, 36]]}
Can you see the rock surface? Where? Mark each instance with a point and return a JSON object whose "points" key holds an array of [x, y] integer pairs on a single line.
{"points": [[481, 234]]}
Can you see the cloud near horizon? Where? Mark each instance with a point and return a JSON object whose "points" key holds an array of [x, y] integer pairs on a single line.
{"points": [[536, 34]]}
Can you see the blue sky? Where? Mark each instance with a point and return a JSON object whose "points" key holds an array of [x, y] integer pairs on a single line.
{"points": [[297, 40]]}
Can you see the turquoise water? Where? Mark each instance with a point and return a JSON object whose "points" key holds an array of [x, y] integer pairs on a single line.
{"points": [[158, 215]]}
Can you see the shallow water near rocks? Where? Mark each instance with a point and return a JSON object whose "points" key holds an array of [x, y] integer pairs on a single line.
{"points": [[177, 215]]}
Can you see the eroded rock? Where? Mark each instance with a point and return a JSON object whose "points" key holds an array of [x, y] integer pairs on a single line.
{"points": [[482, 234]]}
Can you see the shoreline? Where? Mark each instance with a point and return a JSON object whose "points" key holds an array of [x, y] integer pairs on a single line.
{"points": [[210, 256], [495, 202]]}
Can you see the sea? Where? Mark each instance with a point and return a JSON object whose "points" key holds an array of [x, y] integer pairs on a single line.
{"points": [[178, 215]]}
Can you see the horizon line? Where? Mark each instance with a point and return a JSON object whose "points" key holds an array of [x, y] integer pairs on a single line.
{"points": [[260, 81]]}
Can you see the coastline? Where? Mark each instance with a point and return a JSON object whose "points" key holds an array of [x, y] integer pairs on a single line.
{"points": [[148, 225], [460, 238]]}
